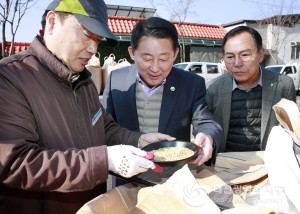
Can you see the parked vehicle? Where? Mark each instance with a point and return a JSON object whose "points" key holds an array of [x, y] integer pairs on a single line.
{"points": [[208, 70], [291, 70]]}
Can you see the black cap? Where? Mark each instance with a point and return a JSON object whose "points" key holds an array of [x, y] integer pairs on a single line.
{"points": [[92, 14]]}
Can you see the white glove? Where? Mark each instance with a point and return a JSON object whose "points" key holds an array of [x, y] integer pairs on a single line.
{"points": [[127, 161]]}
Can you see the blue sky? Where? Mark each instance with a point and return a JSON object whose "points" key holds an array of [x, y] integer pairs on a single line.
{"points": [[203, 11]]}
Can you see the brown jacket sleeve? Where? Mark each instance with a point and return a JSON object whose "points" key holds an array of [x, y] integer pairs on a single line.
{"points": [[49, 161]]}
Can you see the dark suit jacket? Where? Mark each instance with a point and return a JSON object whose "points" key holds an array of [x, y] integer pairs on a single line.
{"points": [[180, 108], [274, 87]]}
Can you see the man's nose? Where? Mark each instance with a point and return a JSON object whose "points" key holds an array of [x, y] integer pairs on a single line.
{"points": [[237, 60], [93, 46], [155, 67]]}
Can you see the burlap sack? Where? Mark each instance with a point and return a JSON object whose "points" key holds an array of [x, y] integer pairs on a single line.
{"points": [[94, 68], [121, 64], [95, 60], [108, 66]]}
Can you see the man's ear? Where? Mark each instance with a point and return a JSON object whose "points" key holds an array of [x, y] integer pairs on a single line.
{"points": [[175, 54], [50, 22], [131, 52], [261, 55]]}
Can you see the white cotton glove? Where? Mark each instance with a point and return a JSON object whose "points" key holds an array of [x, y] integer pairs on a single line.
{"points": [[127, 161]]}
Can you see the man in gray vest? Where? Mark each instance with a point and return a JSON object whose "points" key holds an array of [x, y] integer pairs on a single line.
{"points": [[242, 99], [152, 95]]}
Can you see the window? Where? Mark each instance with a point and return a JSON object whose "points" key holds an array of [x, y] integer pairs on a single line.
{"points": [[212, 69], [197, 69], [288, 70], [181, 66], [296, 50]]}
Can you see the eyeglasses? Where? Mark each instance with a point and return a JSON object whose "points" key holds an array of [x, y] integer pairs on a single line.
{"points": [[244, 57]]}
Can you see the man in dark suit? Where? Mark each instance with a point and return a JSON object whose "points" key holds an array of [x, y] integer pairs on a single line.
{"points": [[242, 99], [153, 95]]}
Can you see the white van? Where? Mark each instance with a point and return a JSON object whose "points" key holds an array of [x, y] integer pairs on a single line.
{"points": [[208, 70], [291, 70]]}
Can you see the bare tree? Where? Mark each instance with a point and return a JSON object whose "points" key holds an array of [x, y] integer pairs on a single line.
{"points": [[279, 26], [178, 12], [11, 13]]}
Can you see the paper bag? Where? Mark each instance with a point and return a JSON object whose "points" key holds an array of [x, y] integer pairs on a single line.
{"points": [[179, 194], [282, 155], [230, 160], [120, 200]]}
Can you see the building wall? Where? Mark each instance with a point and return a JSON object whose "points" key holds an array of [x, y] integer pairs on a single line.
{"points": [[279, 40], [205, 54]]}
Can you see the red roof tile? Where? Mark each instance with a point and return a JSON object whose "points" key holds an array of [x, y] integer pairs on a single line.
{"points": [[124, 25], [18, 46]]}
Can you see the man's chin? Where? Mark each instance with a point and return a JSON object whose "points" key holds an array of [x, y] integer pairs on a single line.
{"points": [[240, 77], [78, 69], [154, 81]]}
